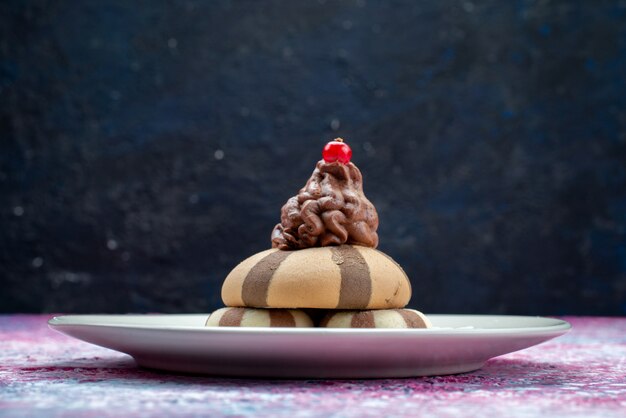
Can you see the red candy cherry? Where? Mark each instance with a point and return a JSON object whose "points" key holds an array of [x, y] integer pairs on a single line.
{"points": [[337, 151]]}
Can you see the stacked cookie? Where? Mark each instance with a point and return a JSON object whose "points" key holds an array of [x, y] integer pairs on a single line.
{"points": [[323, 259], [357, 287]]}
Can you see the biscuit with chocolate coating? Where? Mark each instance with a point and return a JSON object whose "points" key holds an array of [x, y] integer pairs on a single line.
{"points": [[247, 317], [384, 318], [336, 277]]}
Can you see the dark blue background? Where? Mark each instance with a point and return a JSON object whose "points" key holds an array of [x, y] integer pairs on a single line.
{"points": [[147, 147]]}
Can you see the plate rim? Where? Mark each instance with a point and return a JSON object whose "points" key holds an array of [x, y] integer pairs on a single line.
{"points": [[58, 322]]}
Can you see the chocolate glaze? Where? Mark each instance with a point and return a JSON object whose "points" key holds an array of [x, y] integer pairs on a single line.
{"points": [[232, 317], [281, 318], [330, 209], [356, 282], [411, 319], [257, 282], [363, 319]]}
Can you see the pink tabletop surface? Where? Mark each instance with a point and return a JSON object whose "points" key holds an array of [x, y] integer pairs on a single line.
{"points": [[44, 373]]}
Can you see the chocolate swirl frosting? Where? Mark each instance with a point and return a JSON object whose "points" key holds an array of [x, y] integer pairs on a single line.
{"points": [[330, 209]]}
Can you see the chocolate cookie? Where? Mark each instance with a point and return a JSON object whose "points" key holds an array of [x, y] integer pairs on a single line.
{"points": [[384, 318], [339, 277], [245, 317]]}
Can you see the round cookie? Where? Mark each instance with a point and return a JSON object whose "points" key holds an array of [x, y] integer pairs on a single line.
{"points": [[384, 318], [337, 277], [246, 317]]}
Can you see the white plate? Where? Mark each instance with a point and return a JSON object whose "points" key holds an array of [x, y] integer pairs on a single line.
{"points": [[460, 343]]}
